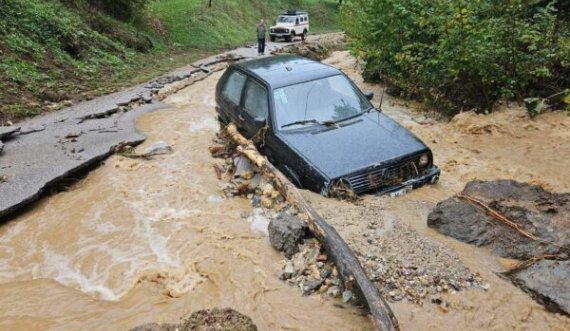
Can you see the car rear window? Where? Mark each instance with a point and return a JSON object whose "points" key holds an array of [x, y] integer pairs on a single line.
{"points": [[233, 87]]}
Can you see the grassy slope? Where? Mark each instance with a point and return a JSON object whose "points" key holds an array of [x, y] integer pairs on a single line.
{"points": [[51, 52], [232, 22]]}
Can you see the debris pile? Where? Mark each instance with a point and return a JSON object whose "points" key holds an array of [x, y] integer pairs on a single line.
{"points": [[305, 265]]}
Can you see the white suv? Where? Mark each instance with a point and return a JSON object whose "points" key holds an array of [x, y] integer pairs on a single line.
{"points": [[290, 24]]}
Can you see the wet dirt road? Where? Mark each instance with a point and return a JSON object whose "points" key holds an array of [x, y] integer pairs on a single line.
{"points": [[503, 145], [141, 241]]}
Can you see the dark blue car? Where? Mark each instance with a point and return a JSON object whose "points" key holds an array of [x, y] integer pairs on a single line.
{"points": [[319, 129]]}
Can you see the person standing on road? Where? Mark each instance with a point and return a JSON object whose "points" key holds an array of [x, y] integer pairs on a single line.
{"points": [[261, 37]]}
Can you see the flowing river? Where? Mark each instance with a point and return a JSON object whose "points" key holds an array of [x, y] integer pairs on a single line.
{"points": [[140, 241]]}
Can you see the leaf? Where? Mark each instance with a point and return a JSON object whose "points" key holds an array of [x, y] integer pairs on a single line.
{"points": [[534, 106]]}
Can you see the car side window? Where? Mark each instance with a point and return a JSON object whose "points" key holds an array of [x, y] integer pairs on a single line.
{"points": [[256, 100], [233, 87]]}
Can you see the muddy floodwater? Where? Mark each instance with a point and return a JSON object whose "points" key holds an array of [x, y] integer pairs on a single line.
{"points": [[140, 241], [503, 145]]}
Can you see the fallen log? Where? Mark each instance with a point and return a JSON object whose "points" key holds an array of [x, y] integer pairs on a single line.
{"points": [[348, 266]]}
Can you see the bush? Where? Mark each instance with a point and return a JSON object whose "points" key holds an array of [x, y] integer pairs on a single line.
{"points": [[458, 54]]}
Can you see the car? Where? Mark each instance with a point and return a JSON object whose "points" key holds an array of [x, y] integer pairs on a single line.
{"points": [[314, 124], [289, 24]]}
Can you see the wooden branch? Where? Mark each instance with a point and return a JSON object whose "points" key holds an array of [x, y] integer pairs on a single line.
{"points": [[347, 264]]}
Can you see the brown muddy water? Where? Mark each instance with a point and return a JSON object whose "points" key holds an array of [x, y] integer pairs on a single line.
{"points": [[151, 241], [503, 145]]}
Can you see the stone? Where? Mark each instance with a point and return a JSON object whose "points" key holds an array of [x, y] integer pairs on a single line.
{"points": [[333, 291], [158, 148], [266, 202], [347, 296], [541, 213], [548, 282], [243, 166], [259, 223], [286, 232]]}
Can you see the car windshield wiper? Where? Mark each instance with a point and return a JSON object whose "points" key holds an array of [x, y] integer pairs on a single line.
{"points": [[301, 122], [313, 121], [349, 117]]}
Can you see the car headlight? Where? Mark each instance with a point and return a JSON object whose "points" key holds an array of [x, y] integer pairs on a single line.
{"points": [[424, 160], [286, 30], [272, 30]]}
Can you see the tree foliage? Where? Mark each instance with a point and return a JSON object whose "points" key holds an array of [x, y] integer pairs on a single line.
{"points": [[463, 54]]}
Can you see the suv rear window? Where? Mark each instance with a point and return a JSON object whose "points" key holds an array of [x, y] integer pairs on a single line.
{"points": [[233, 87]]}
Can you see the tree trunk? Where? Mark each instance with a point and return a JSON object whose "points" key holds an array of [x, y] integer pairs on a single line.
{"points": [[348, 266]]}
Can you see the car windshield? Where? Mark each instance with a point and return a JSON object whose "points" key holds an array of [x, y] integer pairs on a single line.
{"points": [[324, 100], [286, 19]]}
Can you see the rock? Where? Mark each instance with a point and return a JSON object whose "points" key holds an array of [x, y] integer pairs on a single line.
{"points": [[243, 166], [211, 319], [158, 148], [548, 282], [286, 232], [259, 223], [333, 291], [541, 213], [347, 296], [266, 202], [268, 190]]}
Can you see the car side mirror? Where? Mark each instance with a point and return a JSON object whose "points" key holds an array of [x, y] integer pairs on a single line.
{"points": [[369, 95]]}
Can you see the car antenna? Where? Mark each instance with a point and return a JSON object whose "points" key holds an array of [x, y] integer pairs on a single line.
{"points": [[381, 100], [380, 106]]}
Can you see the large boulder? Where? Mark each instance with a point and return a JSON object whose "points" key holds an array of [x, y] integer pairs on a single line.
{"points": [[286, 232], [542, 214], [548, 282]]}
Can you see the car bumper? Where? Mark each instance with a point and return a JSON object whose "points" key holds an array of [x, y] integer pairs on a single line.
{"points": [[430, 178], [280, 35]]}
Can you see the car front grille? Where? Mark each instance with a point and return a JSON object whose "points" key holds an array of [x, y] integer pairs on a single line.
{"points": [[380, 177], [279, 30]]}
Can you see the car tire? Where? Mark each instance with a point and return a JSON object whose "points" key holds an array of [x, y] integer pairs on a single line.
{"points": [[304, 35], [272, 38]]}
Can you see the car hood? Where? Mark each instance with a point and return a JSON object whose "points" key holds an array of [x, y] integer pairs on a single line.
{"points": [[369, 139], [283, 25]]}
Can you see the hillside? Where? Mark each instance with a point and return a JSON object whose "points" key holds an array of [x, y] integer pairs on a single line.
{"points": [[57, 52]]}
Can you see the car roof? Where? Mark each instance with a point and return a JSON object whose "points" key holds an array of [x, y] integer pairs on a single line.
{"points": [[283, 70]]}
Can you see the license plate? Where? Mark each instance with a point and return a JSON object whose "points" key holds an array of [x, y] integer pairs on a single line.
{"points": [[401, 191]]}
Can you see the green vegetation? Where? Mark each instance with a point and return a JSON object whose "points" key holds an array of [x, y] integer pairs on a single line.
{"points": [[462, 55], [56, 50], [191, 23]]}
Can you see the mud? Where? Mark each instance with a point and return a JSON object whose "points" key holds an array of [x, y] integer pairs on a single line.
{"points": [[142, 241], [503, 145]]}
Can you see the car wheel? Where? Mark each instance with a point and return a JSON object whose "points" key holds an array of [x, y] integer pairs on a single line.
{"points": [[272, 38], [304, 35]]}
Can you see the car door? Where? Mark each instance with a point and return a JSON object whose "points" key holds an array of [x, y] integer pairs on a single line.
{"points": [[254, 109], [231, 93]]}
